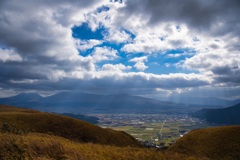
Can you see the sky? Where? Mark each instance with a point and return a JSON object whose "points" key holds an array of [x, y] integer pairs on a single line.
{"points": [[154, 48]]}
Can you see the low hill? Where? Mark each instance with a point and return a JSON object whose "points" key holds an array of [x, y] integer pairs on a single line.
{"points": [[214, 143], [14, 119], [228, 115]]}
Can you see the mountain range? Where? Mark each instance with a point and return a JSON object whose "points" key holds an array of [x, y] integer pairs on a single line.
{"points": [[77, 102], [66, 102]]}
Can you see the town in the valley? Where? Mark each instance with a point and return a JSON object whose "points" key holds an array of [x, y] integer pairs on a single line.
{"points": [[153, 130]]}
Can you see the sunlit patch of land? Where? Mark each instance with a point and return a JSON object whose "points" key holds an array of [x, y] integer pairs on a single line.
{"points": [[162, 130]]}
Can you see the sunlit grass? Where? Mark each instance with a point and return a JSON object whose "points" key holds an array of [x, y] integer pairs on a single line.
{"points": [[24, 120], [45, 147], [216, 143]]}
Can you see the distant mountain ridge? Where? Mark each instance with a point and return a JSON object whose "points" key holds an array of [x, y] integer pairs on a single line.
{"points": [[77, 102], [228, 115], [67, 102], [22, 98], [212, 102]]}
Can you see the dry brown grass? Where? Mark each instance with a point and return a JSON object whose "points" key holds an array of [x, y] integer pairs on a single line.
{"points": [[24, 120], [31, 135], [36, 146], [215, 143]]}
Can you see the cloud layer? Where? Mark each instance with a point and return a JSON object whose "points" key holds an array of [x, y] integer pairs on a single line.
{"points": [[194, 44]]}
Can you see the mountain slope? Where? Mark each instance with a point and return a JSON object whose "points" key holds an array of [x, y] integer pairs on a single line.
{"points": [[22, 98], [115, 103], [228, 115], [211, 102], [76, 102], [24, 120], [214, 143]]}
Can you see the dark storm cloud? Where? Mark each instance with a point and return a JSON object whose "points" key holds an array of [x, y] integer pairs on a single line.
{"points": [[217, 16], [17, 71], [35, 31], [26, 25], [133, 82], [227, 74]]}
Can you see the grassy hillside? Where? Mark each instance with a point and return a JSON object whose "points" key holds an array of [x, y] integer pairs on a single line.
{"points": [[17, 120], [36, 146], [215, 143]]}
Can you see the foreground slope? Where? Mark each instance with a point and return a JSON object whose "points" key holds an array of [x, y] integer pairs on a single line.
{"points": [[28, 134], [36, 146], [214, 143], [14, 119]]}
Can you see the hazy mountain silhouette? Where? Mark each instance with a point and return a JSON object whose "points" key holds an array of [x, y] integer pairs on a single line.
{"points": [[21, 98], [212, 102], [67, 102], [228, 115]]}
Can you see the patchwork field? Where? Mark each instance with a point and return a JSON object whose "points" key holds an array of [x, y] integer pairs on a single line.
{"points": [[162, 130]]}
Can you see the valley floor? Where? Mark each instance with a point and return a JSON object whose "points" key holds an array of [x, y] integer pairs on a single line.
{"points": [[155, 130]]}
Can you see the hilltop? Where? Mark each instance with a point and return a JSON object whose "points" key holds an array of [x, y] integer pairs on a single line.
{"points": [[214, 143], [25, 120]]}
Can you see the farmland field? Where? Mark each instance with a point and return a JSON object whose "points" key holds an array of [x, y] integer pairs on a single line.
{"points": [[158, 129]]}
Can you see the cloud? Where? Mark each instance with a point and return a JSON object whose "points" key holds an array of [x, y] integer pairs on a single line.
{"points": [[182, 95], [37, 35], [112, 79], [38, 52], [84, 45], [103, 54], [215, 16], [140, 65], [159, 39], [9, 55], [117, 36], [174, 55], [223, 67], [115, 67]]}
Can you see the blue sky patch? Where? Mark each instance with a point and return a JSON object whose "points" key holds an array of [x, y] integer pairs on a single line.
{"points": [[103, 9], [84, 32]]}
